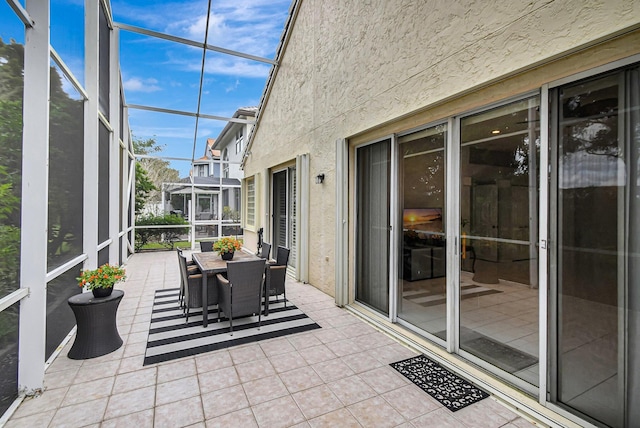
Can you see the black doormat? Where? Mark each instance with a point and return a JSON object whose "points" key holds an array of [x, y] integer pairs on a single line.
{"points": [[449, 389], [170, 337]]}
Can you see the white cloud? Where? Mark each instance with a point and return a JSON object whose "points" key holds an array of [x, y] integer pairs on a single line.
{"points": [[233, 87], [136, 84]]}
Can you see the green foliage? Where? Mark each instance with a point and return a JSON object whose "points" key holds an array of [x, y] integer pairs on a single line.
{"points": [[164, 236], [144, 187], [106, 276]]}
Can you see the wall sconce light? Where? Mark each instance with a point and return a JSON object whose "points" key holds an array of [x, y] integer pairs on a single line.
{"points": [[319, 178]]}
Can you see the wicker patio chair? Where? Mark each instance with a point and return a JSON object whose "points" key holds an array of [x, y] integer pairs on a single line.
{"points": [[266, 249], [191, 268], [206, 246], [275, 282], [241, 292], [193, 289], [282, 256]]}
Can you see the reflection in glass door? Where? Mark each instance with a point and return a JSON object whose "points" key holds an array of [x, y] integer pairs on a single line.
{"points": [[597, 359], [373, 175], [422, 284], [499, 259]]}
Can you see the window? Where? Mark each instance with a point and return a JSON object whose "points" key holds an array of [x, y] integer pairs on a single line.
{"points": [[251, 201], [239, 139]]}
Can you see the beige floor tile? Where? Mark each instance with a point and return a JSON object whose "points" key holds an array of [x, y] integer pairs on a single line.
{"points": [[247, 353], [289, 361], [265, 389], [60, 379], [223, 401], [276, 347], [441, 418], [179, 413], [303, 341], [411, 401], [142, 419], [82, 414], [213, 361], [361, 362], [329, 335], [332, 370], [135, 380], [278, 413], [300, 379], [36, 420], [98, 370], [376, 412], [338, 418], [130, 402], [317, 354], [384, 379], [88, 391], [317, 401], [134, 349], [176, 370], [218, 379], [242, 418], [255, 370], [131, 364], [351, 390], [481, 415], [176, 390]]}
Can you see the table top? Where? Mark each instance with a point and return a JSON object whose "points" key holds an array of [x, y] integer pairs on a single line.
{"points": [[88, 298], [211, 262]]}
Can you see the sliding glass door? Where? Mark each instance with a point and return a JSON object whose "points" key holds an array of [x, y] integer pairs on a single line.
{"points": [[596, 363], [373, 220]]}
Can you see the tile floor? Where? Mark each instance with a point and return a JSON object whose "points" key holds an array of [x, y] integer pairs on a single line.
{"points": [[335, 376]]}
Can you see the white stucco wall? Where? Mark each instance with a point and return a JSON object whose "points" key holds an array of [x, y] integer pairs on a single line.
{"points": [[352, 66]]}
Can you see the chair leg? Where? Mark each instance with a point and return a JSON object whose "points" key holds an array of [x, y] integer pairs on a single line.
{"points": [[231, 324], [259, 320], [285, 298]]}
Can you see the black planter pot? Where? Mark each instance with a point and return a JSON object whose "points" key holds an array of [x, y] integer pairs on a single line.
{"points": [[227, 256], [102, 292]]}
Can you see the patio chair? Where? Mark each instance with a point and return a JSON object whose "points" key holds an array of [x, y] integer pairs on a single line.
{"points": [[282, 256], [206, 246], [192, 269], [266, 249], [275, 282], [193, 288], [241, 292]]}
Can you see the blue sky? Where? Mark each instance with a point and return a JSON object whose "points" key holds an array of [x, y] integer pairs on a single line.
{"points": [[166, 74]]}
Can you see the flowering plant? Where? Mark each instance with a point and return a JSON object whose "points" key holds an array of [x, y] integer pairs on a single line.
{"points": [[226, 245], [103, 277]]}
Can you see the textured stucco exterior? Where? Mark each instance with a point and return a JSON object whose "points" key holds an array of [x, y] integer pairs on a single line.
{"points": [[360, 70]]}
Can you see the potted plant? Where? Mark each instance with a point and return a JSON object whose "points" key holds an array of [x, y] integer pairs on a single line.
{"points": [[226, 247], [101, 280]]}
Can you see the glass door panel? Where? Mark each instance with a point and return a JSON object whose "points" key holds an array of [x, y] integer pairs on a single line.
{"points": [[373, 175], [422, 283], [499, 257], [598, 225]]}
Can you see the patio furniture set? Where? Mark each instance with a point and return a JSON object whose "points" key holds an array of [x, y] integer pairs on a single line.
{"points": [[237, 287]]}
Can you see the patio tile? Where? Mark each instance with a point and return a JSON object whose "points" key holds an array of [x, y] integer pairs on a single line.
{"points": [[176, 370], [142, 419], [218, 379], [179, 413], [131, 364], [133, 349], [345, 347], [300, 379], [88, 391], [36, 420], [223, 401], [135, 380], [60, 379], [255, 370], [441, 418], [317, 401], [329, 335], [130, 402], [213, 361], [265, 389], [411, 401], [278, 413], [317, 354], [77, 415], [332, 370], [241, 418], [351, 390], [244, 354], [289, 361], [338, 418], [276, 347], [97, 370], [49, 400], [481, 415], [303, 341], [361, 362], [376, 412], [176, 390], [383, 379]]}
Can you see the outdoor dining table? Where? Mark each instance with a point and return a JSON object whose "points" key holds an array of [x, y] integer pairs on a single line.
{"points": [[212, 263]]}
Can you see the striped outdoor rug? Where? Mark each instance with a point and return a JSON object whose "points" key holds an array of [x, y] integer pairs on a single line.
{"points": [[170, 337]]}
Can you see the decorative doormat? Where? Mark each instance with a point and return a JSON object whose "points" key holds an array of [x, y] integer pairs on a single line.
{"points": [[447, 388], [170, 337]]}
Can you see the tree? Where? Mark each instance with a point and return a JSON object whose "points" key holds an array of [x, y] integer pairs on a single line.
{"points": [[158, 171], [144, 187]]}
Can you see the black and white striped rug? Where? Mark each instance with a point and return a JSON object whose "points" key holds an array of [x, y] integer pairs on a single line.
{"points": [[170, 337]]}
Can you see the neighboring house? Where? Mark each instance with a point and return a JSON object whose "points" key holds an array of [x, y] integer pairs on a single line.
{"points": [[466, 176]]}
